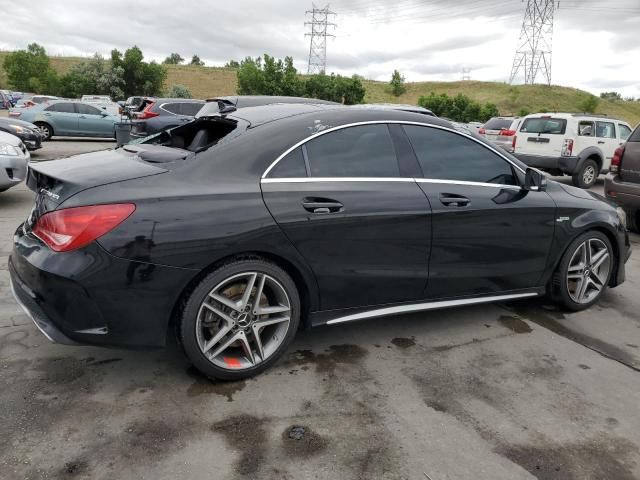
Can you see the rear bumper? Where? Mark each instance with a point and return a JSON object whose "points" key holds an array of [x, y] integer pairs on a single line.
{"points": [[567, 165], [13, 170], [88, 296], [625, 194]]}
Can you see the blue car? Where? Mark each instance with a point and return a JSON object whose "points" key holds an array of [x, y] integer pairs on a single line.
{"points": [[67, 118]]}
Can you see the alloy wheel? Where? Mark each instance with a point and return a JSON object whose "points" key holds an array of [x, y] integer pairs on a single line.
{"points": [[588, 270], [45, 132], [589, 175], [243, 320]]}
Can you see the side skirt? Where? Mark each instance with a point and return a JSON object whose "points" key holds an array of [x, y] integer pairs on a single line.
{"points": [[333, 317]]}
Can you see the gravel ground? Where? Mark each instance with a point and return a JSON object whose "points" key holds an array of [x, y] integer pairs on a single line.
{"points": [[505, 391]]}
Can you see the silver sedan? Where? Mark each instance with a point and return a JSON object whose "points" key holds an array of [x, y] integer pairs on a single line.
{"points": [[14, 158]]}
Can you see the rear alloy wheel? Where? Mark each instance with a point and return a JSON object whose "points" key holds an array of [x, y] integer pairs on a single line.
{"points": [[587, 175], [240, 319], [585, 270], [45, 130]]}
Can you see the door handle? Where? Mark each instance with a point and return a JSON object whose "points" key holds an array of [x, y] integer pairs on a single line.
{"points": [[600, 142], [321, 205], [82, 116], [453, 200]]}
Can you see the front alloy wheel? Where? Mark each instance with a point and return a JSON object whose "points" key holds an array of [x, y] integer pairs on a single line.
{"points": [[247, 314], [584, 271]]}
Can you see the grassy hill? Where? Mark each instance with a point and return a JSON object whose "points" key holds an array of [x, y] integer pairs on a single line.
{"points": [[206, 82]]}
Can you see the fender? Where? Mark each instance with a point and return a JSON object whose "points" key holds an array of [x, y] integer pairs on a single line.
{"points": [[587, 153]]}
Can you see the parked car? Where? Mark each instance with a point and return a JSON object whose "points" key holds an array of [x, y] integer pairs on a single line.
{"points": [[14, 158], [25, 131], [165, 120], [6, 102], [66, 118], [236, 229], [162, 114], [622, 185], [501, 131], [576, 144], [474, 127], [96, 99]]}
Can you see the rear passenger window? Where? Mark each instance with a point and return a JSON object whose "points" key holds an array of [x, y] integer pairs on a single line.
{"points": [[624, 131], [61, 107], [190, 108], [363, 151], [605, 130], [444, 155], [290, 166], [586, 129], [172, 108]]}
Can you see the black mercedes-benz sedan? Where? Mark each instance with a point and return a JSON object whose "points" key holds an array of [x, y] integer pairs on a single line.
{"points": [[237, 229]]}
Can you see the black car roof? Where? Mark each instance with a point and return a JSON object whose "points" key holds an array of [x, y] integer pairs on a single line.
{"points": [[182, 100], [243, 101]]}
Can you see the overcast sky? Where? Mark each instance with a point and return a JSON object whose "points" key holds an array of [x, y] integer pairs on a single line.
{"points": [[595, 43]]}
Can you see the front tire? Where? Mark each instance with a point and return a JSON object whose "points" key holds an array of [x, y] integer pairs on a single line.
{"points": [[240, 319], [45, 130], [587, 175], [584, 271]]}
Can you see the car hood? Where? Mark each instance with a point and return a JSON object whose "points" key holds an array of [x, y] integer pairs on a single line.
{"points": [[19, 123]]}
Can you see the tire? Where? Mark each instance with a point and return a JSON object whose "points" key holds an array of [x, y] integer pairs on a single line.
{"points": [[568, 290], [208, 324], [633, 220], [587, 176], [45, 130]]}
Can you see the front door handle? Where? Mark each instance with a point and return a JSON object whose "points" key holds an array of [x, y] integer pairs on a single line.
{"points": [[453, 200], [321, 205], [600, 142]]}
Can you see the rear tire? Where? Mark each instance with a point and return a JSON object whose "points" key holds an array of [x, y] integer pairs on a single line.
{"points": [[587, 175], [584, 271], [45, 130], [633, 220], [231, 335]]}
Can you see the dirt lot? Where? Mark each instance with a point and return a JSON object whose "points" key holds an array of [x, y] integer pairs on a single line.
{"points": [[506, 391]]}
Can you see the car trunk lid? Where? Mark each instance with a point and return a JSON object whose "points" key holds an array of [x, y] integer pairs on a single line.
{"points": [[541, 136]]}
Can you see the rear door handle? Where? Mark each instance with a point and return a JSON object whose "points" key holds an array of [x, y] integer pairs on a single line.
{"points": [[600, 142], [453, 200], [321, 205]]}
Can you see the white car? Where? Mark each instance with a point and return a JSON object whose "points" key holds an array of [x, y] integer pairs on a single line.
{"points": [[500, 131], [96, 98], [14, 158], [576, 144]]}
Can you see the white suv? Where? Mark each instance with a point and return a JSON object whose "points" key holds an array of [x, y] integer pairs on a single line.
{"points": [[576, 144]]}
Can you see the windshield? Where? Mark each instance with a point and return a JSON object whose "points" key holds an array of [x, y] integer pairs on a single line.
{"points": [[556, 126]]}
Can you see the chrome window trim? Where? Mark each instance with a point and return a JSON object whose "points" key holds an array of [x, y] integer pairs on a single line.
{"points": [[336, 179], [417, 307], [386, 122], [464, 182]]}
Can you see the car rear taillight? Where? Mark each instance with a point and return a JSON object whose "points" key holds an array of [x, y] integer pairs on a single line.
{"points": [[13, 113], [507, 133], [481, 131], [567, 147], [71, 228], [147, 113], [616, 160]]}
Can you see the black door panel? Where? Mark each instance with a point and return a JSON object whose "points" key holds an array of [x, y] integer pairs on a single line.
{"points": [[487, 239], [370, 248]]}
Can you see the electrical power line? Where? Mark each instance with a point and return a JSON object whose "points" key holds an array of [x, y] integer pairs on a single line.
{"points": [[533, 56], [318, 42]]}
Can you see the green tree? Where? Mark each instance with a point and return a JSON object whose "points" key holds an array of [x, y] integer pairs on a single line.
{"points": [[232, 64], [140, 77], [29, 70], [178, 91], [397, 84], [250, 77], [613, 96], [589, 104], [195, 60], [459, 108], [173, 59], [488, 111], [349, 91], [291, 83]]}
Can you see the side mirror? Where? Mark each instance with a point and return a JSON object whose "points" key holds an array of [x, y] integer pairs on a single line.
{"points": [[104, 114], [534, 180]]}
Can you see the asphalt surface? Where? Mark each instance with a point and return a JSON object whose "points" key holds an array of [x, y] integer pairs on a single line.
{"points": [[506, 391]]}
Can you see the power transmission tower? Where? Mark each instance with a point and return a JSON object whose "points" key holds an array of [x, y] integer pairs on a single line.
{"points": [[466, 74], [534, 54], [318, 46]]}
